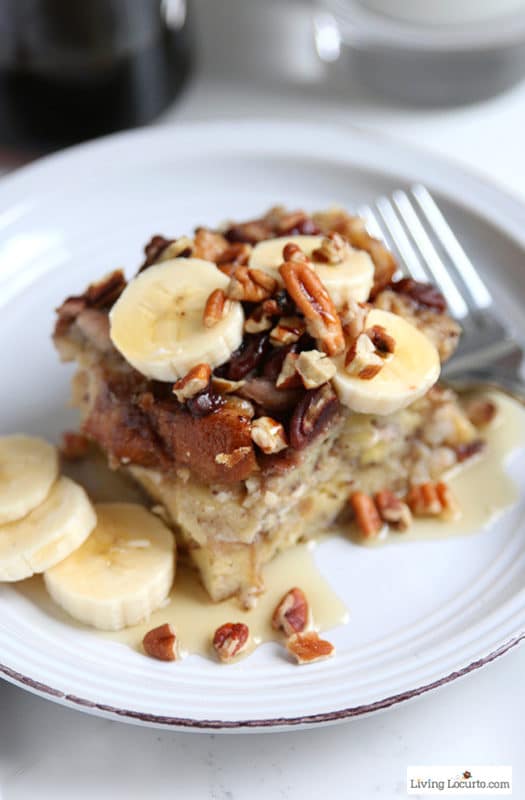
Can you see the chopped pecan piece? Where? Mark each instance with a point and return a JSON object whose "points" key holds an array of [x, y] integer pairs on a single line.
{"points": [[333, 250], [312, 415], [315, 368], [291, 614], [230, 640], [74, 445], [393, 510], [366, 514], [382, 341], [224, 386], [362, 359], [269, 435], [353, 319], [261, 318], [287, 331], [481, 412], [432, 500], [209, 245], [251, 285], [423, 500], [193, 383], [311, 297], [215, 309], [161, 643], [309, 647]]}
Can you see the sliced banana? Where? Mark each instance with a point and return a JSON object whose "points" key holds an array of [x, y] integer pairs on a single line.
{"points": [[157, 322], [47, 534], [121, 573], [28, 469], [351, 279], [407, 374]]}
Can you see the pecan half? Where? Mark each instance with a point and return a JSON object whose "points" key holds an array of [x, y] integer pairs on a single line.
{"points": [[269, 435], [230, 640], [251, 285], [309, 647], [366, 514], [291, 613], [161, 643], [215, 309], [193, 383], [312, 415], [311, 297], [393, 510]]}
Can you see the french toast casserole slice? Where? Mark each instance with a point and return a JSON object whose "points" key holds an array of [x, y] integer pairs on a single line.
{"points": [[265, 448]]}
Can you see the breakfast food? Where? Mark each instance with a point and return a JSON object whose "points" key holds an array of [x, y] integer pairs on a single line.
{"points": [[263, 379]]}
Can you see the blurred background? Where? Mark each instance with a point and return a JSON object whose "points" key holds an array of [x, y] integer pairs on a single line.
{"points": [[70, 71]]}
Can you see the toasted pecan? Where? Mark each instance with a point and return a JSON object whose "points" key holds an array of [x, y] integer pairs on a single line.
{"points": [[311, 297], [230, 639], [160, 643], [291, 613], [366, 514]]}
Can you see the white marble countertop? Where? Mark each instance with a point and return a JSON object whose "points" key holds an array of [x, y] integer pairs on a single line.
{"points": [[480, 719]]}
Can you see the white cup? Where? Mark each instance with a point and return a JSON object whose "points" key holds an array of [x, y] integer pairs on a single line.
{"points": [[444, 12]]}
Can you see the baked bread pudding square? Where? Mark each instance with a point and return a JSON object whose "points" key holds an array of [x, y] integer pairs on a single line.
{"points": [[264, 379]]}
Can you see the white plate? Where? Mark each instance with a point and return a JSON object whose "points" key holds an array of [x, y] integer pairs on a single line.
{"points": [[422, 614]]}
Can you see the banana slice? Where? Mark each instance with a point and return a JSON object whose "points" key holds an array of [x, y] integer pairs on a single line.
{"points": [[157, 322], [28, 469], [47, 534], [406, 374], [351, 279], [122, 572]]}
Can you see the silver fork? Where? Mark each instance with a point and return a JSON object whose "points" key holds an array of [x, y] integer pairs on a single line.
{"points": [[414, 228]]}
